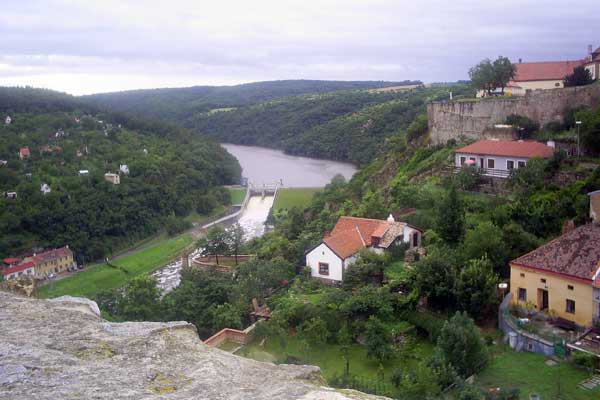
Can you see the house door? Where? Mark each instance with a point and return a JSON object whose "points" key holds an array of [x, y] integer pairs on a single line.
{"points": [[542, 299], [481, 163]]}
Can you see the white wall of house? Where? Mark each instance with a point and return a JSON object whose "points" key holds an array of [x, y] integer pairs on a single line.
{"points": [[14, 275], [499, 162], [594, 69], [409, 234], [323, 254]]}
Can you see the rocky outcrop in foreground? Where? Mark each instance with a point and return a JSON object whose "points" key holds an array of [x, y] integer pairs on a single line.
{"points": [[62, 349]]}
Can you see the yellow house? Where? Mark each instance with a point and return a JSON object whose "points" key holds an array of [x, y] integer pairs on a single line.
{"points": [[53, 261], [562, 277]]}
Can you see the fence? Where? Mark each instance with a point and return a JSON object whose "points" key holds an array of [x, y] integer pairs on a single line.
{"points": [[522, 337], [231, 335]]}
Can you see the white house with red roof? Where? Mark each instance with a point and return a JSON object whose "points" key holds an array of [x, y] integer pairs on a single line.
{"points": [[548, 74], [14, 271], [24, 153], [499, 157], [331, 258]]}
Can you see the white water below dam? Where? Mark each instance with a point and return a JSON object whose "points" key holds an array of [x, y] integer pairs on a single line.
{"points": [[264, 166]]}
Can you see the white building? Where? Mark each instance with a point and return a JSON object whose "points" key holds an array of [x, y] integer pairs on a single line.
{"points": [[331, 258], [84, 172], [8, 120], [45, 188], [124, 169], [115, 179], [499, 157], [13, 272]]}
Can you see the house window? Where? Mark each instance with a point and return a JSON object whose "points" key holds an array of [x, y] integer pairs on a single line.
{"points": [[522, 294], [521, 164], [570, 287], [472, 159], [543, 280], [323, 269], [491, 163], [510, 164], [416, 240], [570, 306], [522, 275], [462, 160]]}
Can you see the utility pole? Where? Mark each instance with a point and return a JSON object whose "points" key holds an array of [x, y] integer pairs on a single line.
{"points": [[578, 123]]}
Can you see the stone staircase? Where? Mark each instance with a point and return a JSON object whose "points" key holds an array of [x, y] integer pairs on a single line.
{"points": [[591, 383]]}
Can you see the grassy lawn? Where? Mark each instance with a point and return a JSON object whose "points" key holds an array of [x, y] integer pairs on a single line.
{"points": [[237, 195], [94, 279], [329, 358], [294, 197], [529, 373], [202, 218]]}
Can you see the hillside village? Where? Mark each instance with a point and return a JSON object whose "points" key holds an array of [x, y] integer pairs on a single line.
{"points": [[462, 257]]}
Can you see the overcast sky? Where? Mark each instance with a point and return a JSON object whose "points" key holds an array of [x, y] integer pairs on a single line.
{"points": [[86, 47]]}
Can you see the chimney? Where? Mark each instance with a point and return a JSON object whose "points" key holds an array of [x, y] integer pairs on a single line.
{"points": [[590, 52], [568, 226], [595, 206], [390, 218], [520, 61]]}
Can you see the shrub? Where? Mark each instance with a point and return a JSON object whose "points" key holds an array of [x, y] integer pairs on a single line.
{"points": [[584, 360], [525, 125]]}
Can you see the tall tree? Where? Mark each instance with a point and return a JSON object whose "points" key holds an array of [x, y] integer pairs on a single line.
{"points": [[451, 217], [504, 71], [215, 242], [461, 344], [476, 288], [236, 239], [483, 77], [378, 340], [141, 300]]}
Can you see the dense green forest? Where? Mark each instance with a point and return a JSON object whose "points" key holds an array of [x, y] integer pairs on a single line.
{"points": [[171, 173], [180, 103], [348, 125]]}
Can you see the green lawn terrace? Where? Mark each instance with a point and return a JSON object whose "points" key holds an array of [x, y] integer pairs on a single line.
{"points": [[330, 358]]}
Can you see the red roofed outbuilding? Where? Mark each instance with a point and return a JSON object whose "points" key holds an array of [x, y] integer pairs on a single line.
{"points": [[332, 257], [24, 153], [26, 268], [499, 157]]}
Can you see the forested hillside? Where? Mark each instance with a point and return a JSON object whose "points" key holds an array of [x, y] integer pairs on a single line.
{"points": [[347, 125], [181, 103], [171, 172]]}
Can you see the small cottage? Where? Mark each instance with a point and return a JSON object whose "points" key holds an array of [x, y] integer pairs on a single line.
{"points": [[24, 153], [124, 169], [45, 188], [84, 172], [115, 179], [7, 120], [331, 258], [498, 157]]}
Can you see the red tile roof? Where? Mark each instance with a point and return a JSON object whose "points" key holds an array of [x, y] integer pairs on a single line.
{"points": [[24, 151], [51, 255], [513, 148], [575, 254], [11, 260], [366, 226], [17, 268], [545, 70], [346, 243]]}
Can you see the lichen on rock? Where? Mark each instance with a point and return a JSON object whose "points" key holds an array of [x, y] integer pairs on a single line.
{"points": [[62, 349]]}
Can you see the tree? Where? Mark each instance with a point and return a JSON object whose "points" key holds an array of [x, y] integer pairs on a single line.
{"points": [[235, 234], [362, 271], [461, 344], [451, 217], [483, 76], [476, 288], [504, 71], [470, 392], [141, 300], [581, 76], [435, 278], [486, 240], [215, 242], [417, 383], [525, 125], [259, 278], [378, 340], [314, 331]]}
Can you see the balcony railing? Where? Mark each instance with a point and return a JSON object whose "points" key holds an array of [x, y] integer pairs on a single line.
{"points": [[500, 173]]}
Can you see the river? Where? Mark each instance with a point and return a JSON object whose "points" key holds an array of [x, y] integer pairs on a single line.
{"points": [[265, 166]]}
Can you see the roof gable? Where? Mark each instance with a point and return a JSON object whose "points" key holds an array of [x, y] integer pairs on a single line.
{"points": [[509, 148], [17, 268], [576, 254], [345, 244]]}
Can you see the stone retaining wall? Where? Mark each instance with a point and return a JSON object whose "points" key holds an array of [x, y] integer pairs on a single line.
{"points": [[470, 119]]}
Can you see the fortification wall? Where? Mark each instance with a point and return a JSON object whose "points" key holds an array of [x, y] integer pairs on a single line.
{"points": [[470, 119]]}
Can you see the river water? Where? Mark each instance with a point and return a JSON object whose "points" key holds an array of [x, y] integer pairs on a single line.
{"points": [[265, 166]]}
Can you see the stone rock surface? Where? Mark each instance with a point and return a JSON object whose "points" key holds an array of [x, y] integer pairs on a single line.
{"points": [[470, 119], [62, 349]]}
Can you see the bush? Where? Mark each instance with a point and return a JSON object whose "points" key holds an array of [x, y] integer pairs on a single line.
{"points": [[584, 360], [525, 126]]}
